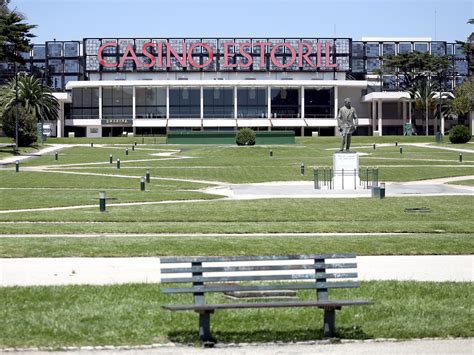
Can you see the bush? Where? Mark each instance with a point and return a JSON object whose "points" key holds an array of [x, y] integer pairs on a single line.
{"points": [[27, 131], [459, 134], [245, 136]]}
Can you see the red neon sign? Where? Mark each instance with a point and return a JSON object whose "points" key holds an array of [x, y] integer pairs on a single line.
{"points": [[300, 55]]}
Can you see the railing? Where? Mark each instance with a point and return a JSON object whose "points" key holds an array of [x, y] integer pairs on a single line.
{"points": [[366, 178]]}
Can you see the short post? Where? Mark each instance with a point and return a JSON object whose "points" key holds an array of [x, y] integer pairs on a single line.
{"points": [[126, 151], [302, 169], [55, 155], [271, 152], [374, 146], [143, 139], [110, 158], [92, 145], [401, 150], [142, 184], [118, 163], [135, 143], [102, 201], [147, 175], [154, 140], [396, 144], [133, 147], [460, 157], [17, 166]]}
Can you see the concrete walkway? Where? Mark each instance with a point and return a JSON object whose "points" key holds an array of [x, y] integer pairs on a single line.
{"points": [[106, 271], [49, 149], [370, 347]]}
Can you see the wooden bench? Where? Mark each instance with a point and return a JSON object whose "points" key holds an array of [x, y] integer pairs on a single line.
{"points": [[260, 273]]}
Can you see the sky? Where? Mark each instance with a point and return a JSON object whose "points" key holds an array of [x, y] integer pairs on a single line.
{"points": [[444, 20]]}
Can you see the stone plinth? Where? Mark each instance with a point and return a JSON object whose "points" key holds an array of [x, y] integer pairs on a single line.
{"points": [[345, 171]]}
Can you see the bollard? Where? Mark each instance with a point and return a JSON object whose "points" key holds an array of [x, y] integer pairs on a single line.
{"points": [[135, 143], [154, 140], [143, 140], [102, 201], [110, 159], [396, 144], [271, 152], [17, 166], [302, 169], [401, 150], [92, 145], [126, 151], [147, 175], [374, 146], [118, 163], [133, 147], [460, 157], [56, 156], [142, 184]]}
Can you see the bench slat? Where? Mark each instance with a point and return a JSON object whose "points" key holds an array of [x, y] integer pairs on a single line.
{"points": [[189, 259], [228, 288], [209, 307], [260, 277], [182, 270]]}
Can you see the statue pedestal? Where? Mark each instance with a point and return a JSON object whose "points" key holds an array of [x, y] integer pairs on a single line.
{"points": [[345, 168]]}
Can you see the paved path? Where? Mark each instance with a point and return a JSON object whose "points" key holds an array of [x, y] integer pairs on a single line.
{"points": [[105, 271], [46, 150], [419, 347]]}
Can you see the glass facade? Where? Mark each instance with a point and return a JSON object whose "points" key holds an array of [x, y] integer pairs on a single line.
{"points": [[285, 103], [252, 102], [185, 102], [85, 103], [150, 102], [218, 102], [319, 102], [117, 102]]}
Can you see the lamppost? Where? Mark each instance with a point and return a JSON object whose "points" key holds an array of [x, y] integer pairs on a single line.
{"points": [[13, 54]]}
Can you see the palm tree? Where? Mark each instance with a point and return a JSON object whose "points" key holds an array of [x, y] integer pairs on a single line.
{"points": [[422, 94], [33, 96]]}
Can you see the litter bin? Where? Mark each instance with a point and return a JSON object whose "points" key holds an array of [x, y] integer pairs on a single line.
{"points": [[379, 191], [439, 137]]}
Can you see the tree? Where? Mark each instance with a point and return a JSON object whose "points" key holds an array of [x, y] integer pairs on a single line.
{"points": [[422, 93], [463, 102], [468, 48], [27, 131]]}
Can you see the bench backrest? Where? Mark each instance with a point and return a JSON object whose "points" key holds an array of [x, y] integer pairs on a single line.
{"points": [[219, 274]]}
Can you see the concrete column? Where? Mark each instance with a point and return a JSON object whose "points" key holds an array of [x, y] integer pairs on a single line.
{"points": [[201, 98], [442, 124], [167, 102], [100, 102], [374, 116], [235, 102], [471, 122], [134, 103], [379, 118], [409, 112], [404, 115], [302, 102], [336, 108], [60, 121], [269, 102], [302, 131]]}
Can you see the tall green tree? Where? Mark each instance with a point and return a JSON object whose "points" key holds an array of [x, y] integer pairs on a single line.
{"points": [[468, 48], [463, 102], [422, 93]]}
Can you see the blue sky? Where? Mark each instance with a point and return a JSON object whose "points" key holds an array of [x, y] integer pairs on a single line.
{"points": [[76, 19]]}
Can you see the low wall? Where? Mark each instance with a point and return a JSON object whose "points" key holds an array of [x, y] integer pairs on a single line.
{"points": [[185, 137]]}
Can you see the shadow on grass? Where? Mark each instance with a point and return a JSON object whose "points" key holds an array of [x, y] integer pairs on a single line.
{"points": [[266, 335]]}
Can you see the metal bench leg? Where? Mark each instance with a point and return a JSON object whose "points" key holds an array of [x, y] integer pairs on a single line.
{"points": [[205, 328], [329, 323]]}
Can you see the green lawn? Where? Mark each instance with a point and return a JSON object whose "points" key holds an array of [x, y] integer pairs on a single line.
{"points": [[463, 182], [131, 314], [410, 244]]}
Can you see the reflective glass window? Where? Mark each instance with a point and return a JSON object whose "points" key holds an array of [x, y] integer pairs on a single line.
{"points": [[71, 49], [357, 49], [71, 66], [117, 102], [372, 64], [438, 48], [285, 103], [421, 47], [39, 52], [185, 102], [218, 102], [150, 102], [318, 103], [358, 65], [404, 48], [55, 65], [388, 49], [252, 102], [55, 49], [372, 50]]}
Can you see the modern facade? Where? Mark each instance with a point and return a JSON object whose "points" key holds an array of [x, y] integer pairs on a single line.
{"points": [[119, 86]]}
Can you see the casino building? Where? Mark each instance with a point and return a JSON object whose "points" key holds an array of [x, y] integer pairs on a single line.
{"points": [[117, 86]]}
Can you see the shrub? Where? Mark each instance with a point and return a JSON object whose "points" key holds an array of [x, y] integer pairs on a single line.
{"points": [[27, 131], [459, 134], [245, 136]]}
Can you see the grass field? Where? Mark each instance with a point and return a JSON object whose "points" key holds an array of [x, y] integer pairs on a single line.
{"points": [[132, 314]]}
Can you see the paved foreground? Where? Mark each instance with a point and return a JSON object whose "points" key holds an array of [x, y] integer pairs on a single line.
{"points": [[107, 271], [419, 347]]}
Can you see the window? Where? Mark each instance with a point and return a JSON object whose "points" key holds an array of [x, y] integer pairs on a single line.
{"points": [[55, 49], [404, 48], [358, 66], [318, 103], [71, 49], [285, 103], [373, 50], [252, 102], [117, 102], [438, 48], [185, 102], [85, 102], [421, 47], [388, 49], [55, 65], [39, 52], [150, 102], [218, 102], [372, 64], [357, 49], [71, 66]]}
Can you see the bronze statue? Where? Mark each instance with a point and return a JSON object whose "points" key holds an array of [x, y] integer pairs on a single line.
{"points": [[347, 122]]}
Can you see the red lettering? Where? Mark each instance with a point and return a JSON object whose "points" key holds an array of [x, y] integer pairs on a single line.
{"points": [[276, 62], [262, 46], [170, 50], [328, 64], [159, 49], [304, 56], [246, 55], [228, 55], [148, 55], [101, 59], [318, 58], [129, 52], [209, 53]]}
